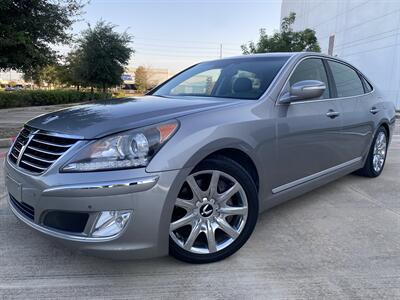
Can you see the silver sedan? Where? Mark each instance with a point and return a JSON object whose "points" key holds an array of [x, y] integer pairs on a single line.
{"points": [[186, 169]]}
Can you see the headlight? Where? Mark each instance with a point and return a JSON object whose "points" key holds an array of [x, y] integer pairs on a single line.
{"points": [[129, 149]]}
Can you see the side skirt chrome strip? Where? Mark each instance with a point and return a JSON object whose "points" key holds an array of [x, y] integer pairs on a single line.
{"points": [[314, 176]]}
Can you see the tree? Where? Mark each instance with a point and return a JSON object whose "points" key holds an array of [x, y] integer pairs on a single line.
{"points": [[70, 73], [286, 40], [28, 29], [33, 75], [49, 74], [141, 79], [103, 55]]}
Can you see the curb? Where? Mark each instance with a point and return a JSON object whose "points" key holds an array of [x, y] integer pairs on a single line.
{"points": [[6, 142]]}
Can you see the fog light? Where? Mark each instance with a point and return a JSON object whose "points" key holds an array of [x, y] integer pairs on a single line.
{"points": [[110, 223]]}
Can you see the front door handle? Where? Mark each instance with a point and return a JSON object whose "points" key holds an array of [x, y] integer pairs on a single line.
{"points": [[374, 110], [332, 114]]}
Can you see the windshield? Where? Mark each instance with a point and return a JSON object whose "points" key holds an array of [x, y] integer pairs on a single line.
{"points": [[245, 78]]}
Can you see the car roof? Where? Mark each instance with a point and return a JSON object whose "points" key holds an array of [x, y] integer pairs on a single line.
{"points": [[256, 55], [269, 55], [287, 55]]}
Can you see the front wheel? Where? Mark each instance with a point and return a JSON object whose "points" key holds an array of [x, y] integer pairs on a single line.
{"points": [[215, 212], [376, 156]]}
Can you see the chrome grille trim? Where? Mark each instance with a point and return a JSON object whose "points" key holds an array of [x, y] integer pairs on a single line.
{"points": [[45, 151], [50, 144], [40, 159], [13, 155], [36, 150], [32, 165]]}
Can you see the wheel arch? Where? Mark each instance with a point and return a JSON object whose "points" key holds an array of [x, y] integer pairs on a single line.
{"points": [[241, 158], [385, 124], [237, 150]]}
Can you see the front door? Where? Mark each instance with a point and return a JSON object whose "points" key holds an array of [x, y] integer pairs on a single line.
{"points": [[307, 131]]}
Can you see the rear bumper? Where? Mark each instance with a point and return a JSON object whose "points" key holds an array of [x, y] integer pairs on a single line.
{"points": [[150, 196]]}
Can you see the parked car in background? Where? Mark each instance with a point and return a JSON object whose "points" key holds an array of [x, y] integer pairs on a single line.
{"points": [[187, 168], [9, 89], [13, 88]]}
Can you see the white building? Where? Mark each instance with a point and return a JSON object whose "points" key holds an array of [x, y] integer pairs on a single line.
{"points": [[364, 33]]}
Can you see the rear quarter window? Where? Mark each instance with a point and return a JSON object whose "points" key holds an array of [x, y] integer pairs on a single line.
{"points": [[347, 81], [368, 86]]}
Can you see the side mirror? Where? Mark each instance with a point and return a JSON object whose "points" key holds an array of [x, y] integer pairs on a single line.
{"points": [[305, 89]]}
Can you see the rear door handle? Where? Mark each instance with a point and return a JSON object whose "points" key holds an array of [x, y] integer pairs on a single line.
{"points": [[374, 110], [332, 114]]}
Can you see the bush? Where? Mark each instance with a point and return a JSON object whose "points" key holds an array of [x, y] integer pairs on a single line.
{"points": [[42, 97]]}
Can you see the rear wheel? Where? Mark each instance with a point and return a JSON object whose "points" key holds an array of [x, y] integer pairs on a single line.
{"points": [[377, 155], [215, 212]]}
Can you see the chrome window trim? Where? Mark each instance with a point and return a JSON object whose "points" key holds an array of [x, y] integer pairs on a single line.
{"points": [[320, 100], [315, 176]]}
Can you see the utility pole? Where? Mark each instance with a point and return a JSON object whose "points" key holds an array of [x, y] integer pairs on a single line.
{"points": [[220, 50]]}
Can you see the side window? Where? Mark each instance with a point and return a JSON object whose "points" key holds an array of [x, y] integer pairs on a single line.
{"points": [[347, 81], [368, 86], [311, 69]]}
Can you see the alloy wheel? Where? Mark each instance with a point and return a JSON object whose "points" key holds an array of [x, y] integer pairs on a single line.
{"points": [[210, 212], [379, 153]]}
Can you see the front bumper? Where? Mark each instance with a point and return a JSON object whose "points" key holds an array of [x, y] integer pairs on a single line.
{"points": [[150, 196]]}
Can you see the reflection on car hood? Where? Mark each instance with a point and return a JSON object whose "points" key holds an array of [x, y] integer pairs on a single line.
{"points": [[101, 118]]}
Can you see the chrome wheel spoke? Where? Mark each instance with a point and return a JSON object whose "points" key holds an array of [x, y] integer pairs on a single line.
{"points": [[212, 189], [197, 192], [186, 204], [233, 211], [210, 233], [228, 229], [228, 194], [186, 220], [192, 236]]}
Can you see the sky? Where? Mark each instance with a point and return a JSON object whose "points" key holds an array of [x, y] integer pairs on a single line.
{"points": [[175, 34]]}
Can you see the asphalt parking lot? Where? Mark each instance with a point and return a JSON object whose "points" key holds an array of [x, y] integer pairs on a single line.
{"points": [[341, 241]]}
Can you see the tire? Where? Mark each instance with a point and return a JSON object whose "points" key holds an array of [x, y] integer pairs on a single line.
{"points": [[369, 169], [207, 238]]}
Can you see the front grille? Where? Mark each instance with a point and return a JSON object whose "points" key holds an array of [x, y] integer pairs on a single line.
{"points": [[40, 149], [25, 209]]}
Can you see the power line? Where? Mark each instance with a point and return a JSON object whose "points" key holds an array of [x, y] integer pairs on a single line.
{"points": [[183, 47], [177, 55], [185, 41]]}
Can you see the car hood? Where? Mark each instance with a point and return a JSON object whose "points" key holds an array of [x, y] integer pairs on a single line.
{"points": [[101, 118]]}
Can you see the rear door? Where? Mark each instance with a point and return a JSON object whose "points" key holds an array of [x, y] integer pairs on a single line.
{"points": [[307, 131], [355, 103]]}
